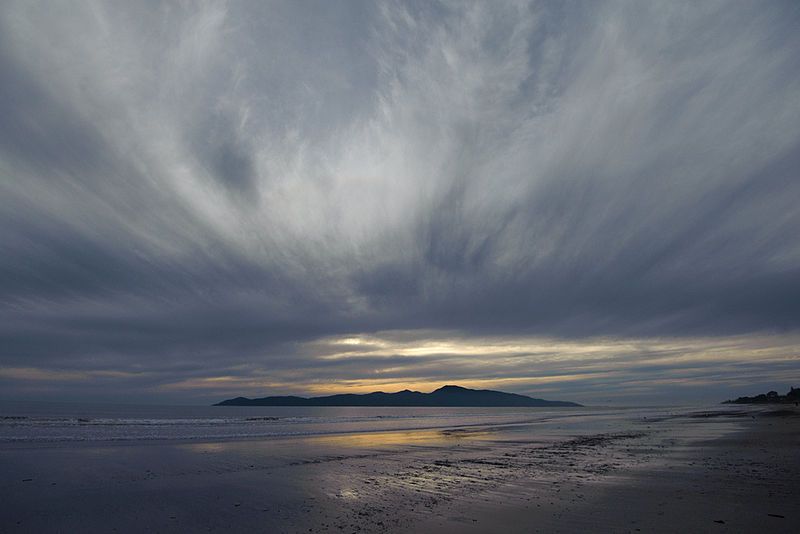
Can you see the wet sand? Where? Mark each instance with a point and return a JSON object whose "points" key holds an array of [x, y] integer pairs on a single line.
{"points": [[727, 470]]}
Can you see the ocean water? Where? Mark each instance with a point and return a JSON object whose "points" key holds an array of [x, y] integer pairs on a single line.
{"points": [[29, 422]]}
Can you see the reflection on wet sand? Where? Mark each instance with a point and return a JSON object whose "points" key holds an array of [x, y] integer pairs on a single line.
{"points": [[387, 439], [354, 440]]}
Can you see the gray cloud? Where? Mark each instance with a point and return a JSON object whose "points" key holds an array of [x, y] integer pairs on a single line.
{"points": [[190, 190]]}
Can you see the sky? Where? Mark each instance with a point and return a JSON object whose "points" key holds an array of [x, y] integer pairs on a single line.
{"points": [[587, 201]]}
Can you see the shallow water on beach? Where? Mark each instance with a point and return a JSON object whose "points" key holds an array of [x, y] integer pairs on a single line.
{"points": [[75, 422], [134, 469]]}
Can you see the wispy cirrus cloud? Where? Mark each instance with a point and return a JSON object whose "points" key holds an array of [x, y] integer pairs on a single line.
{"points": [[186, 190]]}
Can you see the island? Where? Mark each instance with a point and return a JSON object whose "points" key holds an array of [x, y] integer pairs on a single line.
{"points": [[446, 396], [793, 396]]}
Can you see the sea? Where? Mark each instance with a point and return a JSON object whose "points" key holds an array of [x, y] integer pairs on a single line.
{"points": [[45, 422]]}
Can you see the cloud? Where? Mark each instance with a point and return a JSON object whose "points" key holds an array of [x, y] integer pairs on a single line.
{"points": [[590, 370], [186, 190]]}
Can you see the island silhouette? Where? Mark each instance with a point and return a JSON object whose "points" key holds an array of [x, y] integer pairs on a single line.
{"points": [[445, 396]]}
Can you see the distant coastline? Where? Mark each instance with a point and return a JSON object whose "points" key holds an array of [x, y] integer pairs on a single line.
{"points": [[446, 396], [793, 396]]}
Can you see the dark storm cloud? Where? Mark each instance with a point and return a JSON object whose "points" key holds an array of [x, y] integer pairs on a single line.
{"points": [[207, 189]]}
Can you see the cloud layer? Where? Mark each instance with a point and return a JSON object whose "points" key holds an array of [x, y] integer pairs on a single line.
{"points": [[190, 190]]}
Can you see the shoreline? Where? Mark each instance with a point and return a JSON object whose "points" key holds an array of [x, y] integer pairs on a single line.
{"points": [[75, 434]]}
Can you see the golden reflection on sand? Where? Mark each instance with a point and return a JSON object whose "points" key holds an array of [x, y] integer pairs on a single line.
{"points": [[355, 440], [209, 448], [381, 439]]}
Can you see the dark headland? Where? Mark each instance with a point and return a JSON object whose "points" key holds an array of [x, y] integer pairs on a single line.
{"points": [[793, 396], [444, 396]]}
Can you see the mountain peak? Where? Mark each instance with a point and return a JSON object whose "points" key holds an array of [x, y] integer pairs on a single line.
{"points": [[450, 388]]}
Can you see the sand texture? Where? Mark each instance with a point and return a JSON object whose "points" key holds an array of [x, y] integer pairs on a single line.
{"points": [[732, 470]]}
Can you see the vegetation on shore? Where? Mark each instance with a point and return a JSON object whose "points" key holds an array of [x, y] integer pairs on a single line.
{"points": [[793, 396]]}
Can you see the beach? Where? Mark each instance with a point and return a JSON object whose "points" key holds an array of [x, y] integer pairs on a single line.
{"points": [[714, 469]]}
